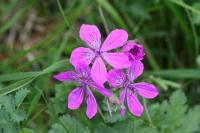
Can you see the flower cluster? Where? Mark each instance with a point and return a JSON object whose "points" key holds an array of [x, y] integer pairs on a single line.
{"points": [[96, 56]]}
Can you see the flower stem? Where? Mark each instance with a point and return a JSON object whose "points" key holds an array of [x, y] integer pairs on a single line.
{"points": [[147, 113], [103, 19], [101, 114], [109, 108]]}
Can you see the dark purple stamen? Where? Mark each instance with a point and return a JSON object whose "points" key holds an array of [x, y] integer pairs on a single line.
{"points": [[135, 50], [98, 53]]}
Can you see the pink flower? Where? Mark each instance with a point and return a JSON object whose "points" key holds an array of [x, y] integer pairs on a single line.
{"points": [[85, 83], [135, 52], [97, 53], [129, 91]]}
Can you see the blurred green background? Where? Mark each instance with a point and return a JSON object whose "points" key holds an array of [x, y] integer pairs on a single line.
{"points": [[37, 37]]}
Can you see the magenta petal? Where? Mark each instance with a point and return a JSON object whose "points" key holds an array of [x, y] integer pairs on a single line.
{"points": [[98, 71], [91, 105], [117, 60], [122, 99], [115, 39], [90, 35], [81, 55], [105, 92], [66, 76], [122, 112], [127, 47], [146, 90], [134, 105], [75, 98], [122, 96], [135, 70], [116, 78], [83, 70]]}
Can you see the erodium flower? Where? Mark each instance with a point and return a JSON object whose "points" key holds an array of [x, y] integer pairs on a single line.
{"points": [[82, 77], [97, 53], [129, 91], [135, 52]]}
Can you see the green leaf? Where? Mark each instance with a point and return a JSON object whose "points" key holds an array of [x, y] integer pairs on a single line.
{"points": [[57, 128], [193, 118], [20, 96], [8, 103], [4, 117], [114, 118], [27, 130], [102, 128], [60, 98], [171, 116], [7, 129], [177, 106], [121, 127], [10, 115], [18, 115], [178, 98], [68, 124], [125, 127]]}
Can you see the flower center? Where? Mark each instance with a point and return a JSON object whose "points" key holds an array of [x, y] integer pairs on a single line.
{"points": [[135, 50], [98, 52], [127, 84]]}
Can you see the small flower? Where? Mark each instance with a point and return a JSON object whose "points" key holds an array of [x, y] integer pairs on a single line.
{"points": [[97, 53], [135, 52], [129, 91], [85, 83]]}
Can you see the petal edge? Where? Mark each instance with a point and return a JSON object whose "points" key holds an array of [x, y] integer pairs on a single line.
{"points": [[90, 35], [115, 39]]}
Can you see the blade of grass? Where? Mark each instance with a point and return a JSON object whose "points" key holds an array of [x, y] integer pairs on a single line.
{"points": [[15, 86], [113, 13], [186, 6], [18, 76], [40, 44], [180, 16], [147, 114], [11, 22], [194, 33], [67, 23], [63, 14], [22, 75], [150, 57], [176, 74], [103, 19], [73, 15], [19, 14]]}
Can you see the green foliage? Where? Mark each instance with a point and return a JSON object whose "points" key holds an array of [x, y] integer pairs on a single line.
{"points": [[122, 127], [37, 38], [171, 116], [60, 98], [68, 124], [10, 113], [27, 130], [20, 96], [195, 17]]}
